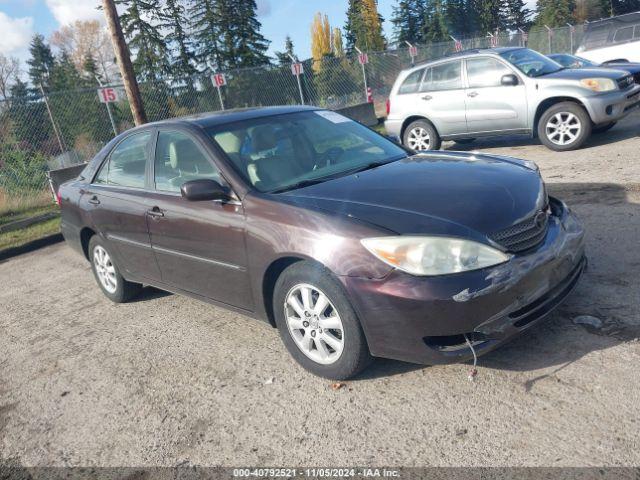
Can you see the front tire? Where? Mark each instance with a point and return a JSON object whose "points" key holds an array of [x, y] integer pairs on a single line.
{"points": [[317, 323], [107, 274], [564, 126], [421, 136]]}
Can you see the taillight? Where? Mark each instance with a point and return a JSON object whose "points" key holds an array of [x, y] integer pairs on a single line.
{"points": [[58, 199], [388, 105]]}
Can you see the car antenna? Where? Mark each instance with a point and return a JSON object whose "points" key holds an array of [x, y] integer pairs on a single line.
{"points": [[473, 372]]}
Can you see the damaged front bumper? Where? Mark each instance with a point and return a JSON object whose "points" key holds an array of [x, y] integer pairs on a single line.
{"points": [[423, 319]]}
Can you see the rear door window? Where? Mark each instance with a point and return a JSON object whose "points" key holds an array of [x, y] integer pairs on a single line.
{"points": [[446, 76], [127, 163], [412, 82], [623, 34]]}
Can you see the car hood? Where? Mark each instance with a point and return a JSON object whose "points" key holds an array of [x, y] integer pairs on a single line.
{"points": [[582, 73], [445, 193], [626, 66]]}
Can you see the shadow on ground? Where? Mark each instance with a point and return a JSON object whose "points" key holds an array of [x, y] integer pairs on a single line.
{"points": [[630, 129], [558, 342]]}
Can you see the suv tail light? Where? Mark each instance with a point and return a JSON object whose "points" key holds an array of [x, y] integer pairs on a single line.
{"points": [[58, 199], [388, 105]]}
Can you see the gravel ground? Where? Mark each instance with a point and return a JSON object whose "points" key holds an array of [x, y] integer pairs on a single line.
{"points": [[167, 380]]}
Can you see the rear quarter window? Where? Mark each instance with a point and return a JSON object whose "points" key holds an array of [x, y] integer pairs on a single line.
{"points": [[412, 82]]}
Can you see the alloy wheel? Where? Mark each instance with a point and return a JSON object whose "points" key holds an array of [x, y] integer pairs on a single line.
{"points": [[563, 128], [314, 324], [105, 269], [419, 139]]}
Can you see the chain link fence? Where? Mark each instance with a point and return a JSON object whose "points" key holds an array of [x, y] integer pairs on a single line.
{"points": [[42, 132]]}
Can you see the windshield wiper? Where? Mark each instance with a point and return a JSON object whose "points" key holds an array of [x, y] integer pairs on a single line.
{"points": [[313, 181], [300, 184]]}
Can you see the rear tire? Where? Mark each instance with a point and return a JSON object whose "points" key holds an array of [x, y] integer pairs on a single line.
{"points": [[421, 136], [564, 126], [107, 273], [603, 128], [317, 323]]}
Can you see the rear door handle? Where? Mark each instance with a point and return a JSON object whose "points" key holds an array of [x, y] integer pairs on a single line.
{"points": [[472, 94], [94, 200], [427, 97], [155, 212]]}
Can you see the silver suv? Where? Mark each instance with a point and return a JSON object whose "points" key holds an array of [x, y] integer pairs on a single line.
{"points": [[504, 91]]}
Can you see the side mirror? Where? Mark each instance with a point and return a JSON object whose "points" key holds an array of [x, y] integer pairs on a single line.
{"points": [[203, 189], [509, 80]]}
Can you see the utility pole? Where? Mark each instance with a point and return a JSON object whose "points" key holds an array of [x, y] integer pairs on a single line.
{"points": [[124, 62]]}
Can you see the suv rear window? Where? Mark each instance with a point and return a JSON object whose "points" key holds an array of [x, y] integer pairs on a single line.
{"points": [[412, 82]]}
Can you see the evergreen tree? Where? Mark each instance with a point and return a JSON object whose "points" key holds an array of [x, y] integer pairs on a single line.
{"points": [[457, 17], [181, 58], [144, 37], [364, 26], [64, 75], [620, 7], [435, 23], [252, 45], [353, 27], [283, 57], [555, 13], [490, 16], [517, 15], [408, 21], [90, 70], [40, 63], [206, 31]]}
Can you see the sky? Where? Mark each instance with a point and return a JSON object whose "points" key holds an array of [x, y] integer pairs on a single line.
{"points": [[20, 19]]}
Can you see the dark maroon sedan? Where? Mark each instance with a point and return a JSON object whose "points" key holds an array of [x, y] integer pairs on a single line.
{"points": [[352, 246]]}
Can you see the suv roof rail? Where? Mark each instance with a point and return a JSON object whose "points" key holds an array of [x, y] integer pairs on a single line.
{"points": [[467, 51]]}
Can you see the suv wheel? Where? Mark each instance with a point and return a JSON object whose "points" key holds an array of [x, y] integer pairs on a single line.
{"points": [[564, 126], [420, 136], [317, 323], [109, 279]]}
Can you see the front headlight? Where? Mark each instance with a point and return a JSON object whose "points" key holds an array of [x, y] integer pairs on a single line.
{"points": [[433, 255], [599, 84]]}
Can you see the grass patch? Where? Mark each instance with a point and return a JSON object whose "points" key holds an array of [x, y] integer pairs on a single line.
{"points": [[11, 205], [26, 235], [12, 216], [379, 128]]}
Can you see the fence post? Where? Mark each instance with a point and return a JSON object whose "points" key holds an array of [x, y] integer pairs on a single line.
{"points": [[53, 122], [364, 73], [570, 38], [113, 123], [295, 60], [549, 35]]}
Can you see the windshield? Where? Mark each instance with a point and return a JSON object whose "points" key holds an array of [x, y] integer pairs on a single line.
{"points": [[286, 151], [530, 62], [572, 61]]}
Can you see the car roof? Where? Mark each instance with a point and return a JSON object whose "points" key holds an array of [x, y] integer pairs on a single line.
{"points": [[464, 53], [210, 119]]}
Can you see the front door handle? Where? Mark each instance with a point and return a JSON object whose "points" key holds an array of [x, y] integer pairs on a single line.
{"points": [[155, 212], [94, 200], [472, 94], [427, 97]]}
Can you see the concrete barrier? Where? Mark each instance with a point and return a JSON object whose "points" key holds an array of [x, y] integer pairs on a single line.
{"points": [[364, 113]]}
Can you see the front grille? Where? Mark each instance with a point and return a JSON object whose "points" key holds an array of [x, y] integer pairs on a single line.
{"points": [[524, 235], [625, 82]]}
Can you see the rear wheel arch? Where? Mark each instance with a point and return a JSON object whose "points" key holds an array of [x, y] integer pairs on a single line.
{"points": [[85, 237], [550, 102], [409, 120]]}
